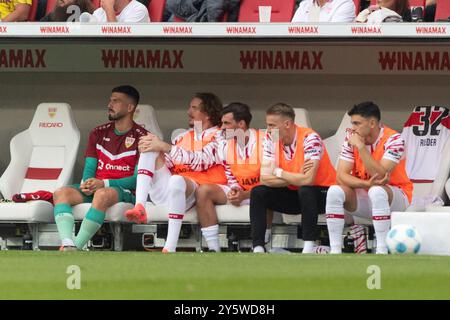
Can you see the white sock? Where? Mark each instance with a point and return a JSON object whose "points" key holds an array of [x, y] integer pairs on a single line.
{"points": [[211, 235], [177, 209], [173, 233], [335, 217], [146, 169], [268, 236], [309, 247], [381, 215], [68, 242]]}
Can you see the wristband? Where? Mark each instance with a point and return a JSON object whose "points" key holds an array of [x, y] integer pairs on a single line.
{"points": [[278, 172]]}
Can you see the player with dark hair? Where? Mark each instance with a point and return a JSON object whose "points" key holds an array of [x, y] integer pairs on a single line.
{"points": [[170, 173], [371, 176], [109, 174]]}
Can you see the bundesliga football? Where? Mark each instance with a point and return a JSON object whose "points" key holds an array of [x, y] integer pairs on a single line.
{"points": [[403, 239]]}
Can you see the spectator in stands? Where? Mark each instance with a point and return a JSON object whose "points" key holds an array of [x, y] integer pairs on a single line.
{"points": [[121, 11], [295, 175], [62, 11], [371, 177], [386, 11], [203, 10], [109, 173], [170, 173], [325, 11], [239, 153], [15, 10], [430, 10]]}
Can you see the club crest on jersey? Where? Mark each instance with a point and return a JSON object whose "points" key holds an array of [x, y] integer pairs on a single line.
{"points": [[129, 141], [52, 112]]}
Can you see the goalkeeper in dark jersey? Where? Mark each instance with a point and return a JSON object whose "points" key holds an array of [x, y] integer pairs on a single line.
{"points": [[109, 174]]}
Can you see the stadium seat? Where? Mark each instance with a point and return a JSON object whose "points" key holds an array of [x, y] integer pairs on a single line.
{"points": [[42, 158], [178, 19], [33, 11], [442, 10], [50, 5], [145, 116], [156, 10], [447, 188], [302, 117], [282, 11], [334, 143], [433, 228]]}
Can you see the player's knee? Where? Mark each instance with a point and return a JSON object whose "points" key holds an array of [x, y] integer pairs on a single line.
{"points": [[258, 193], [306, 192], [377, 194], [61, 194], [203, 192], [335, 196], [103, 197], [177, 184], [379, 199]]}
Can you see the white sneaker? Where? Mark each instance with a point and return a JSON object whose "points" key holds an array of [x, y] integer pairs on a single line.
{"points": [[322, 249], [259, 249]]}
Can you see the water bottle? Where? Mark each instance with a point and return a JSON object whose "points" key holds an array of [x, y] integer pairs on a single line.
{"points": [[27, 242], [233, 243], [349, 245]]}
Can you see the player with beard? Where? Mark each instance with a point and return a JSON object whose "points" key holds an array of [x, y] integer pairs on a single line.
{"points": [[109, 174]]}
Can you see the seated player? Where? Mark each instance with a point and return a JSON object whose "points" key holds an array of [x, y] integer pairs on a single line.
{"points": [[295, 175], [168, 172], [109, 174], [371, 177], [239, 153]]}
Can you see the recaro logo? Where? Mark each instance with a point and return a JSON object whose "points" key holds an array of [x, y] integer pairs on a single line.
{"points": [[51, 124]]}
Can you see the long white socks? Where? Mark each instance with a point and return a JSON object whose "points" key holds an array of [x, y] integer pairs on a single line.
{"points": [[211, 235], [146, 169], [335, 217], [381, 215], [177, 209]]}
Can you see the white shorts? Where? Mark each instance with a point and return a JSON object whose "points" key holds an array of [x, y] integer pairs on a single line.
{"points": [[159, 194], [364, 206], [227, 189]]}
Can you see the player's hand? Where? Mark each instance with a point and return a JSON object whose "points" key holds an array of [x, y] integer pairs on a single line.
{"points": [[307, 165], [356, 141], [145, 142], [376, 181], [235, 197], [91, 185]]}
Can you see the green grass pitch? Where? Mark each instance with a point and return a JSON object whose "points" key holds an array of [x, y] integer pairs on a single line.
{"points": [[145, 275]]}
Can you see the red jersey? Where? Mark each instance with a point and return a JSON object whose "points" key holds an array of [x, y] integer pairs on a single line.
{"points": [[117, 154]]}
